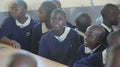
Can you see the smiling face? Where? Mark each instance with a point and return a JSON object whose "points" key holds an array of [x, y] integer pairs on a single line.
{"points": [[58, 20], [17, 11]]}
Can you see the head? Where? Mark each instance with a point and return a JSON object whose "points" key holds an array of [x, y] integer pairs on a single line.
{"points": [[110, 14], [94, 36], [45, 11], [18, 9], [57, 3], [83, 21], [113, 56], [58, 19], [113, 38], [22, 60]]}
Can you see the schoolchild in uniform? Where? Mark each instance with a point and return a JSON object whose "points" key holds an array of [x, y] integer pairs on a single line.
{"points": [[16, 30], [44, 24], [83, 20], [61, 43]]}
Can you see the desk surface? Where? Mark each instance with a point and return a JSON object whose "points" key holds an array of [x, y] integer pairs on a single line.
{"points": [[43, 62]]}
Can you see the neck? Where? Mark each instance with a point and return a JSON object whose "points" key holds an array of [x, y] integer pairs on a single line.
{"points": [[82, 30], [107, 24], [48, 25], [59, 32], [22, 19]]}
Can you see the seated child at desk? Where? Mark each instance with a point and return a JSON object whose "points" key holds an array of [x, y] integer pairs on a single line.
{"points": [[99, 59], [93, 41], [61, 43]]}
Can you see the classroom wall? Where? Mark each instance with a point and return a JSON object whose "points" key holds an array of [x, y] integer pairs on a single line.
{"points": [[71, 7]]}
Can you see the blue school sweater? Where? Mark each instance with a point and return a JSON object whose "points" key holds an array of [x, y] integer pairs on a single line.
{"points": [[36, 35], [94, 60], [81, 51], [14, 32], [64, 52]]}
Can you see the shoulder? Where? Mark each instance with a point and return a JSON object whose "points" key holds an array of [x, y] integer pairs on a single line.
{"points": [[33, 21], [47, 35]]}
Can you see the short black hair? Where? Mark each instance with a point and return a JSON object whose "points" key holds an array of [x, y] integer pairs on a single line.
{"points": [[21, 3], [80, 15], [107, 8], [59, 11], [113, 35], [49, 6]]}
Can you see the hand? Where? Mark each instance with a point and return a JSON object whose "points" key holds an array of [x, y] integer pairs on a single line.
{"points": [[15, 44]]}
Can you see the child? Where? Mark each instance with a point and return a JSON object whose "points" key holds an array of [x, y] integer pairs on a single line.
{"points": [[61, 43], [16, 30], [22, 60], [94, 36], [44, 15], [99, 59], [110, 14], [113, 57], [82, 22]]}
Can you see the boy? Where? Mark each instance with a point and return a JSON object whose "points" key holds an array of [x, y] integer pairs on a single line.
{"points": [[16, 30], [93, 41], [22, 60], [99, 59], [41, 28], [110, 14], [82, 22], [113, 57], [61, 43]]}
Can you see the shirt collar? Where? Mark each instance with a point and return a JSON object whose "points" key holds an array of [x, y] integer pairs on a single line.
{"points": [[104, 53], [106, 27], [44, 28], [27, 22], [88, 50], [79, 32], [64, 35]]}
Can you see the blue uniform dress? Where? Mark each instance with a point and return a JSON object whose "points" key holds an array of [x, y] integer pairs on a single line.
{"points": [[63, 52], [14, 32], [82, 54]]}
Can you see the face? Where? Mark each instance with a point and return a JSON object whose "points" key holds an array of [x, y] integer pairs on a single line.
{"points": [[114, 17], [57, 21], [42, 14], [91, 38], [84, 22], [116, 59], [17, 11], [23, 62]]}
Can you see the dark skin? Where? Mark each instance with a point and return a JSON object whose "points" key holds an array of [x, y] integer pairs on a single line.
{"points": [[93, 36], [57, 21], [44, 17], [22, 61], [82, 22], [116, 59], [111, 17], [113, 41]]}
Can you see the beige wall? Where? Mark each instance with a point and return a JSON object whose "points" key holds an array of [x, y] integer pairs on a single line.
{"points": [[34, 4]]}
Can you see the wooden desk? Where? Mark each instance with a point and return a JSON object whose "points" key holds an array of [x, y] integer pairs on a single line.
{"points": [[43, 62]]}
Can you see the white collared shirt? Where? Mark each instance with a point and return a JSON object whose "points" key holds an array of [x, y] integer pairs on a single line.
{"points": [[79, 32], [88, 50], [27, 22], [106, 27], [104, 53], [44, 28], [64, 35]]}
